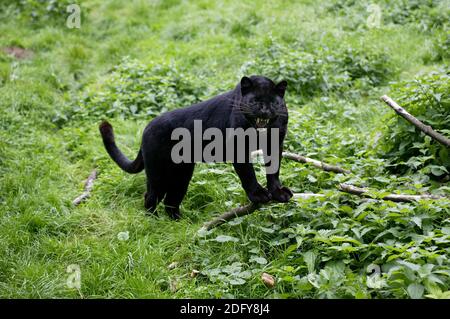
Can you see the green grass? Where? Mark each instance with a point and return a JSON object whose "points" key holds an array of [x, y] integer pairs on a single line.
{"points": [[51, 104]]}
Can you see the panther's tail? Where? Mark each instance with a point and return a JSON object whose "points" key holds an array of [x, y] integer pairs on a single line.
{"points": [[124, 163]]}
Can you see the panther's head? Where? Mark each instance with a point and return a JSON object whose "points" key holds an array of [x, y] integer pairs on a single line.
{"points": [[262, 100]]}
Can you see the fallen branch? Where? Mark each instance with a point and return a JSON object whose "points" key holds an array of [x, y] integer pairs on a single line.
{"points": [[424, 128], [347, 188], [304, 159], [87, 189], [246, 210], [237, 212], [392, 197]]}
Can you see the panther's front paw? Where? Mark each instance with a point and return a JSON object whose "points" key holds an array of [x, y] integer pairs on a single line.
{"points": [[281, 194], [260, 195]]}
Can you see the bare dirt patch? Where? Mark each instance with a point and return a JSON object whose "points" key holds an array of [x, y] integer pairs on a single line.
{"points": [[18, 53]]}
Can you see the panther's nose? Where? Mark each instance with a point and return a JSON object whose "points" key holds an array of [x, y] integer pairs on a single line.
{"points": [[265, 114]]}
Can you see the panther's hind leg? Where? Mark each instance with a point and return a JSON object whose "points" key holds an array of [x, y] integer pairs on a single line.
{"points": [[156, 188], [177, 187], [152, 198]]}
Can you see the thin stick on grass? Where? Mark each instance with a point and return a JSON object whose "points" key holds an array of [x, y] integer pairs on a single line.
{"points": [[319, 164], [428, 130], [87, 189], [347, 188], [225, 217]]}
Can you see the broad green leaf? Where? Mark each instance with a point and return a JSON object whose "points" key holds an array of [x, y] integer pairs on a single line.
{"points": [[313, 279], [304, 284], [417, 220], [438, 170], [310, 259], [236, 281], [344, 239], [415, 291], [446, 231], [375, 281], [411, 266], [259, 260]]}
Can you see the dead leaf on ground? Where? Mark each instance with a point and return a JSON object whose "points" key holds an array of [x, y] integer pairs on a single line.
{"points": [[268, 280]]}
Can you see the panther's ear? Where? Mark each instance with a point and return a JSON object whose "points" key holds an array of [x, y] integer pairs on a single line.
{"points": [[246, 85], [280, 88]]}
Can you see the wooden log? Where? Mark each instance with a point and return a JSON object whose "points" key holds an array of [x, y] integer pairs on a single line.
{"points": [[87, 189], [428, 130]]}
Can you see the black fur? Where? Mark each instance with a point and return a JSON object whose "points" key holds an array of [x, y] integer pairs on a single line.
{"points": [[254, 97]]}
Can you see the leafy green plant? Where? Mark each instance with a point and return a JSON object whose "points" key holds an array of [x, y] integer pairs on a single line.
{"points": [[136, 90], [40, 11], [425, 15], [441, 48], [326, 250], [324, 71]]}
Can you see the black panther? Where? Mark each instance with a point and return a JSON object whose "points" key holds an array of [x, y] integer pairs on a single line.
{"points": [[256, 102]]}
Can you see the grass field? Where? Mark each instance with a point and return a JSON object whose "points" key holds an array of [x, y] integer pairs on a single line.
{"points": [[131, 60]]}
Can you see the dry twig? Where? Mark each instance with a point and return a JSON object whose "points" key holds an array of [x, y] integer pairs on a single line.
{"points": [[87, 189]]}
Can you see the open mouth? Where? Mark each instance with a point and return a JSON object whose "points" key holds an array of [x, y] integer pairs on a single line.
{"points": [[261, 123]]}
